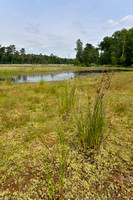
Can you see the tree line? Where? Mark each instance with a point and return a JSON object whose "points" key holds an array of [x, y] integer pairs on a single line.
{"points": [[114, 50], [9, 55]]}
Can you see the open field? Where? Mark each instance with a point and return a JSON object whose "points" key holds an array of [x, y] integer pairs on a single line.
{"points": [[27, 68], [38, 132]]}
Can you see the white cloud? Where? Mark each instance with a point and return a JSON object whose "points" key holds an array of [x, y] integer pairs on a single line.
{"points": [[127, 20], [111, 23]]}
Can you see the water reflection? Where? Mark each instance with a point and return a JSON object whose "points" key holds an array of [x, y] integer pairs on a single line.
{"points": [[22, 78]]}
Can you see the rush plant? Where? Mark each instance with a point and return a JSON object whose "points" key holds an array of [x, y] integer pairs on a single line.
{"points": [[66, 100], [91, 122]]}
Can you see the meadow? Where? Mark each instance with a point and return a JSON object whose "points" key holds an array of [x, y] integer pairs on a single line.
{"points": [[31, 68], [67, 140], [27, 68]]}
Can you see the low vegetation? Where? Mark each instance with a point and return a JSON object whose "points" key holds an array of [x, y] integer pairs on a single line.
{"points": [[67, 140], [33, 68]]}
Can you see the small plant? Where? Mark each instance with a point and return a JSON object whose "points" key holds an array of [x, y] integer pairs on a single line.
{"points": [[41, 82], [66, 100]]}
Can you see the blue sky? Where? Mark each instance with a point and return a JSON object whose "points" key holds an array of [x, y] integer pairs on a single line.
{"points": [[53, 26]]}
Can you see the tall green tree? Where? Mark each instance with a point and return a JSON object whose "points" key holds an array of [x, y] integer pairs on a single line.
{"points": [[129, 47], [90, 55], [106, 48], [118, 45], [2, 53], [10, 50], [79, 50], [22, 53]]}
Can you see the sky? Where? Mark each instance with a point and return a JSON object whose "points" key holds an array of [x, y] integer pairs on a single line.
{"points": [[53, 26]]}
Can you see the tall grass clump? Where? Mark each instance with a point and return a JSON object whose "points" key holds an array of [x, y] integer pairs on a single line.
{"points": [[66, 100], [92, 122], [91, 125], [41, 82]]}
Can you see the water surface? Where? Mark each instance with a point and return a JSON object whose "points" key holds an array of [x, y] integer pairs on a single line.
{"points": [[52, 76]]}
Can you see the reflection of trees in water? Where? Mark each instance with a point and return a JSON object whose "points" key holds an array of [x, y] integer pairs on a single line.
{"points": [[24, 78], [52, 75], [82, 73], [55, 76], [14, 80], [49, 76], [19, 77], [2, 79], [87, 72]]}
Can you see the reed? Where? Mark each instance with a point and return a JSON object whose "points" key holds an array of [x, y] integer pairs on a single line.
{"points": [[66, 100], [91, 122], [91, 125]]}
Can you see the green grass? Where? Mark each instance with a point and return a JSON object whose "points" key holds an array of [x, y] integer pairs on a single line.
{"points": [[35, 148], [32, 68], [41, 81]]}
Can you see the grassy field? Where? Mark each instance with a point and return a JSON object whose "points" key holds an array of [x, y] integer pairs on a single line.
{"points": [[30, 68], [41, 154], [27, 68]]}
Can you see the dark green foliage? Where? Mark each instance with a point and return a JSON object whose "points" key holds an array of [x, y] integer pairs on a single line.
{"points": [[90, 55], [105, 47], [9, 55], [114, 50], [86, 56], [117, 49], [79, 50]]}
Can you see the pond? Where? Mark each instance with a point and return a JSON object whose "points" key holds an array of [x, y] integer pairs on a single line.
{"points": [[52, 76]]}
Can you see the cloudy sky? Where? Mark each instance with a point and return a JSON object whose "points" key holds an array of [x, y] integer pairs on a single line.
{"points": [[53, 26]]}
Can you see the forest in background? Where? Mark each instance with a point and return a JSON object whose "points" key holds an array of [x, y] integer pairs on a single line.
{"points": [[114, 50]]}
